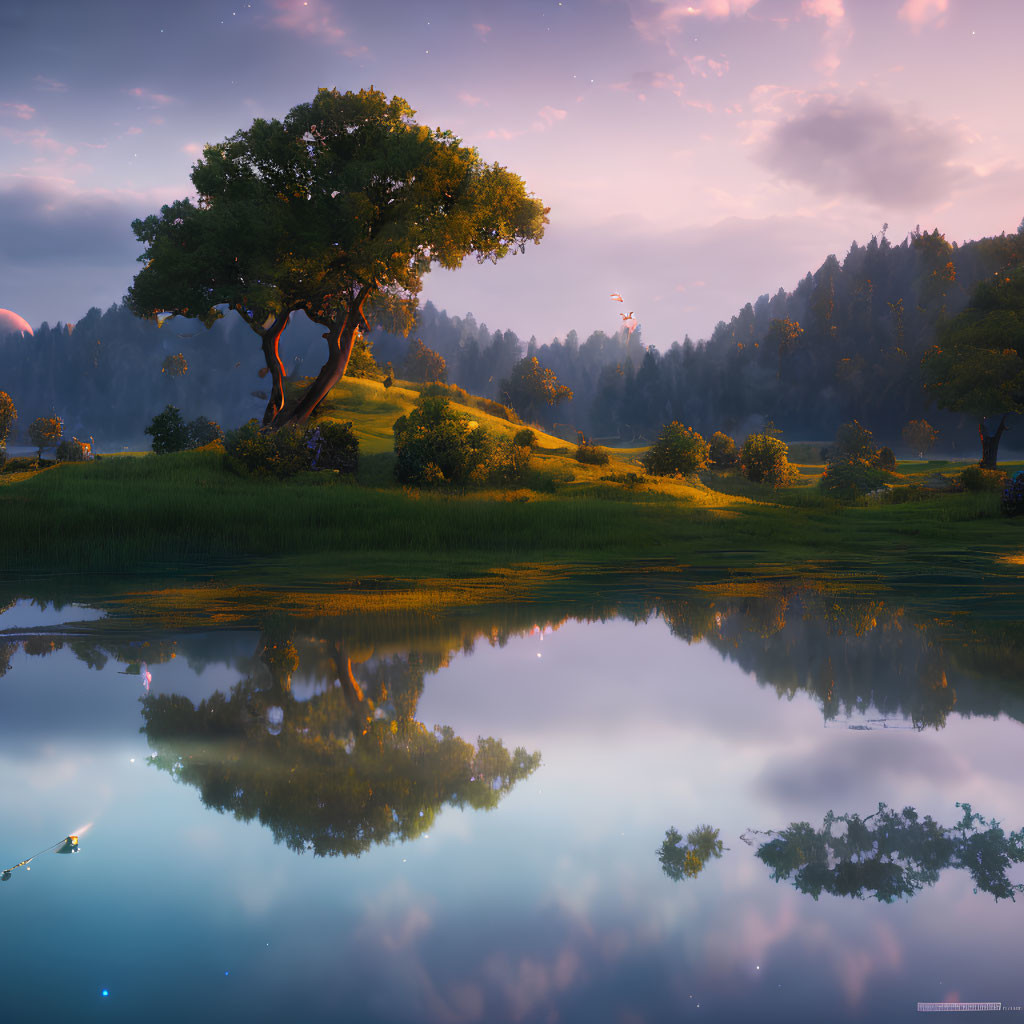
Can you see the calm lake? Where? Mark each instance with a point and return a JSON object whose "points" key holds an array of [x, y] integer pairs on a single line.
{"points": [[653, 810]]}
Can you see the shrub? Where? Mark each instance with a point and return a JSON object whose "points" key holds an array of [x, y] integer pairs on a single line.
{"points": [[502, 461], [847, 480], [422, 363], [8, 414], [525, 438], [1013, 496], [919, 435], [203, 431], [432, 444], [333, 445], [169, 432], [885, 459], [73, 450], [722, 451], [439, 389], [45, 432], [496, 409], [592, 454], [974, 478], [763, 459], [281, 453], [678, 449], [853, 443]]}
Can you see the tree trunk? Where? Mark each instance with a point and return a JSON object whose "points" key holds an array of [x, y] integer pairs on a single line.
{"points": [[271, 340], [340, 339], [990, 443]]}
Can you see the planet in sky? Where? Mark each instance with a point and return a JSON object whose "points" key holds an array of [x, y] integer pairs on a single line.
{"points": [[11, 323]]}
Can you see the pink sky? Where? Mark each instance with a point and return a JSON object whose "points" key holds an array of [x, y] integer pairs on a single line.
{"points": [[694, 156]]}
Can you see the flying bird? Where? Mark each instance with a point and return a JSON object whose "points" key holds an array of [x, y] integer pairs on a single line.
{"points": [[627, 316], [617, 297]]}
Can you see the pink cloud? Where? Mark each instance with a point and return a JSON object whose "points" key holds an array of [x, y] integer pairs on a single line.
{"points": [[20, 110], [920, 12], [482, 29], [469, 99], [502, 133], [156, 99], [704, 67], [307, 18], [831, 10], [192, 148], [49, 84], [548, 116], [642, 81]]}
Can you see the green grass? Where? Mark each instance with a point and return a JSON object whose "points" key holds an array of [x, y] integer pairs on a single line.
{"points": [[156, 513]]}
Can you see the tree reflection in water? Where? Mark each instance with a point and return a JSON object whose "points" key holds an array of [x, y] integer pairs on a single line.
{"points": [[890, 855], [688, 859], [335, 774]]}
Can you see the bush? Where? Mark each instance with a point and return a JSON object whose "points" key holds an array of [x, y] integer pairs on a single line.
{"points": [[848, 480], [203, 431], [73, 450], [281, 453], [1013, 496], [169, 432], [885, 459], [763, 460], [592, 454], [974, 478], [45, 432], [525, 438], [722, 451], [438, 389], [333, 445], [432, 444], [853, 443], [496, 409], [504, 461], [678, 449]]}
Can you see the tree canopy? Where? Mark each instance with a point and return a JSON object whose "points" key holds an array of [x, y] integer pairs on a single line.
{"points": [[337, 210], [978, 364]]}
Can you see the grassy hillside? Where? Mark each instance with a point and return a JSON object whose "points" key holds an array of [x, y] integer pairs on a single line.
{"points": [[132, 514]]}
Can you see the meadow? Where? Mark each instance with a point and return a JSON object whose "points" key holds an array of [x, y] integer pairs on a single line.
{"points": [[152, 514]]}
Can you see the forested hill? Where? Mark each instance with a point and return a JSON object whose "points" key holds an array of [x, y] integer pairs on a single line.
{"points": [[845, 343]]}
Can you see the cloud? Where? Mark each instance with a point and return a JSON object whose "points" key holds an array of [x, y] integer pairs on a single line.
{"points": [[864, 149], [49, 220], [641, 82], [482, 29], [469, 99], [49, 84], [662, 18], [920, 12], [192, 148], [307, 18], [837, 33], [155, 99], [831, 10], [705, 67], [20, 110], [548, 116]]}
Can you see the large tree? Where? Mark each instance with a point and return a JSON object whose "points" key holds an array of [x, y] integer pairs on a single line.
{"points": [[338, 210], [978, 365]]}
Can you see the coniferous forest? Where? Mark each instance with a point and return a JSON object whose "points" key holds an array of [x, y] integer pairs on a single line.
{"points": [[845, 343]]}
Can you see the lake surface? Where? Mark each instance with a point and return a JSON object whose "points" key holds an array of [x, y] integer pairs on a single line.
{"points": [[466, 817]]}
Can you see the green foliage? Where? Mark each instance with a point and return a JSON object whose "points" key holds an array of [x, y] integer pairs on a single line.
{"points": [[885, 458], [688, 859], [422, 363], [333, 445], [8, 414], [525, 438], [203, 431], [722, 451], [763, 460], [531, 387], [853, 443], [432, 445], [591, 454], [678, 449], [169, 431], [849, 480], [280, 453], [45, 432], [977, 478], [361, 362], [73, 450], [920, 436]]}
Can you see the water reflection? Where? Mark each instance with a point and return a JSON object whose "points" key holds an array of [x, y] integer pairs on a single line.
{"points": [[687, 859], [891, 855], [336, 773]]}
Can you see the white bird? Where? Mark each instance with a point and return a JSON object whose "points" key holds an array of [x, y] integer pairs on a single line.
{"points": [[617, 297]]}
